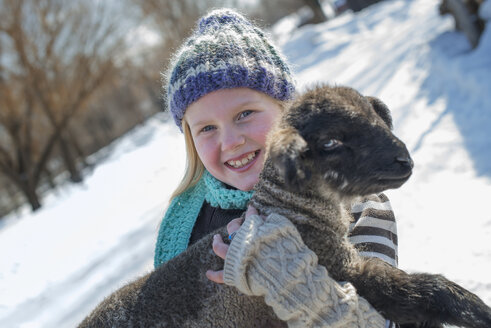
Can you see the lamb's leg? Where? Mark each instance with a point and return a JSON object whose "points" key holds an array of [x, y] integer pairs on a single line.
{"points": [[418, 298]]}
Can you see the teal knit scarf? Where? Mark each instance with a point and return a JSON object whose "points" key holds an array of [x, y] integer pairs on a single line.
{"points": [[177, 225]]}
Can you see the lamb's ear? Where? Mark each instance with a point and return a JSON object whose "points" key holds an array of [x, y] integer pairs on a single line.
{"points": [[382, 110], [286, 150]]}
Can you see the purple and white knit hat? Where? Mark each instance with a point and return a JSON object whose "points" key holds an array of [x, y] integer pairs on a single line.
{"points": [[225, 51]]}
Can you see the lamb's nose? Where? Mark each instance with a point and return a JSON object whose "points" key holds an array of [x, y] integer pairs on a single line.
{"points": [[405, 160]]}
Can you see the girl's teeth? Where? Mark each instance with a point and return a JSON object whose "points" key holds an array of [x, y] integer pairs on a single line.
{"points": [[244, 161]]}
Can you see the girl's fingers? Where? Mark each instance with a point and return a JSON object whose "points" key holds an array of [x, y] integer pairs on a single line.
{"points": [[216, 276], [234, 225], [251, 211], [219, 247]]}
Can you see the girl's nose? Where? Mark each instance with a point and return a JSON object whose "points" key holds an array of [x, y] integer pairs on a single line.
{"points": [[232, 139]]}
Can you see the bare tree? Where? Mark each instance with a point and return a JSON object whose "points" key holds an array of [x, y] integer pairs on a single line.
{"points": [[269, 12], [357, 5], [20, 149], [54, 55], [318, 15], [467, 20], [175, 19]]}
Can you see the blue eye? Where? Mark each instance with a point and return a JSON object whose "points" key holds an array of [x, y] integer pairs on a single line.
{"points": [[244, 114], [207, 128]]}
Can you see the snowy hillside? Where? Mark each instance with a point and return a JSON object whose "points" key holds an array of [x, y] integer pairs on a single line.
{"points": [[88, 239], [439, 93]]}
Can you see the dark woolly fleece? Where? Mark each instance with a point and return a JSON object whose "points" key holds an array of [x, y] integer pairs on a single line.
{"points": [[332, 146]]}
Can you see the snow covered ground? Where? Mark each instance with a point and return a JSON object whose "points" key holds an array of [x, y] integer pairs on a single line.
{"points": [[89, 239]]}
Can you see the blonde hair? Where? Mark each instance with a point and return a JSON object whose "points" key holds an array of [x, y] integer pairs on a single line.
{"points": [[194, 166]]}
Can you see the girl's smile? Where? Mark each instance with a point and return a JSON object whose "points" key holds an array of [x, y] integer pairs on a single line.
{"points": [[243, 162], [229, 129]]}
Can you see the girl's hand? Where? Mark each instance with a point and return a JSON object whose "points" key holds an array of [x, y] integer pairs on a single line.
{"points": [[220, 248]]}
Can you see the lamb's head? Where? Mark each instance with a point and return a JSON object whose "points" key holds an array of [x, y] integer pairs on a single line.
{"points": [[333, 138]]}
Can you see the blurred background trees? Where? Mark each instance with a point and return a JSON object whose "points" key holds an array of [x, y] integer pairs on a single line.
{"points": [[357, 5], [65, 90], [76, 75], [466, 16]]}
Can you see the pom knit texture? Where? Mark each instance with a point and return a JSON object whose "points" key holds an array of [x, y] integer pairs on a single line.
{"points": [[178, 222], [225, 51]]}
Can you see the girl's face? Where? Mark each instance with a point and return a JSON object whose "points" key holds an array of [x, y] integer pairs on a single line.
{"points": [[229, 129]]}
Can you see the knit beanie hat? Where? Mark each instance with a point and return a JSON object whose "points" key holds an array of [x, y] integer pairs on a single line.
{"points": [[225, 51]]}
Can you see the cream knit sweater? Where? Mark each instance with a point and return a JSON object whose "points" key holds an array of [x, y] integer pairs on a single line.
{"points": [[268, 258]]}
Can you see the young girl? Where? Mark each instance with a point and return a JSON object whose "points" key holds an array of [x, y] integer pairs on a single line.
{"points": [[226, 87]]}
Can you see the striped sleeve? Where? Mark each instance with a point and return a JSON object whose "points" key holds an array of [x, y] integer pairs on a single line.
{"points": [[373, 231]]}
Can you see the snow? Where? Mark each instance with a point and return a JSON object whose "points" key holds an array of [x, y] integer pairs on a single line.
{"points": [[485, 10], [91, 238]]}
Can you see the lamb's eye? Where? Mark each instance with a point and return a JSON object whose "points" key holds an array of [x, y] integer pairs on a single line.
{"points": [[331, 144]]}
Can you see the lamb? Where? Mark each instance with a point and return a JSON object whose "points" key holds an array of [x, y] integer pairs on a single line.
{"points": [[331, 146]]}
